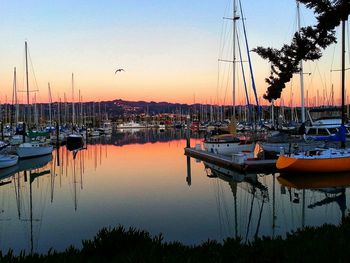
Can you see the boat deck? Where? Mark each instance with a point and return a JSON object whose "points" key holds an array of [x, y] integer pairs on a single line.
{"points": [[268, 165]]}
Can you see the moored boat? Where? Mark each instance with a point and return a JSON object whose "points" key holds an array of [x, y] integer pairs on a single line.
{"points": [[323, 160], [105, 129], [8, 160], [324, 121], [227, 144], [317, 161], [288, 143], [130, 125], [33, 149], [74, 141]]}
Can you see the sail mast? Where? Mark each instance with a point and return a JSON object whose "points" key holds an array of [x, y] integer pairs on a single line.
{"points": [[50, 105], [27, 81], [14, 97], [343, 79], [234, 24], [73, 110], [301, 73]]}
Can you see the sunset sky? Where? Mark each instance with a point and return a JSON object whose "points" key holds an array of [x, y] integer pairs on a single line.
{"points": [[169, 49]]}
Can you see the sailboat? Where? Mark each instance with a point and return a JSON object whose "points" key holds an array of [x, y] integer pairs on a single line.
{"points": [[227, 144], [35, 147], [282, 140], [322, 160], [75, 139]]}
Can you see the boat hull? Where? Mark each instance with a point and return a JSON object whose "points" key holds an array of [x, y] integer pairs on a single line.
{"points": [[228, 148], [321, 165], [27, 151], [8, 161], [74, 142]]}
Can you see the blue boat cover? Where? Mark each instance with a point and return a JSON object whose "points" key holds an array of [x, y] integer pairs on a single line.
{"points": [[340, 136]]}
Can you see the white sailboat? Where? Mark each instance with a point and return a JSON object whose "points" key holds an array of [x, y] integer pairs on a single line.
{"points": [[324, 121], [227, 144], [282, 141], [35, 147]]}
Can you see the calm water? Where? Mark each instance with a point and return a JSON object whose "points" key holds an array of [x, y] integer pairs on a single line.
{"points": [[142, 179]]}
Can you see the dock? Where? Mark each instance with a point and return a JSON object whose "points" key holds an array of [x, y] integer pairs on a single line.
{"points": [[240, 165]]}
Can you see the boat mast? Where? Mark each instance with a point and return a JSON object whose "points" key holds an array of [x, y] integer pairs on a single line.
{"points": [[343, 78], [50, 105], [73, 110], [234, 24], [14, 96], [27, 81], [301, 73]]}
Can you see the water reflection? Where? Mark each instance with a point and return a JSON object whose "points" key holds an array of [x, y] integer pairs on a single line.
{"points": [[142, 179], [333, 187], [142, 136], [33, 183], [189, 177], [256, 208], [18, 175], [258, 197], [60, 199]]}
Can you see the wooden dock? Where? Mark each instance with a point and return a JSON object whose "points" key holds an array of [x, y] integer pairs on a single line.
{"points": [[228, 162]]}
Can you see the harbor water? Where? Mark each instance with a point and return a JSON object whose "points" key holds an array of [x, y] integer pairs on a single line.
{"points": [[142, 179]]}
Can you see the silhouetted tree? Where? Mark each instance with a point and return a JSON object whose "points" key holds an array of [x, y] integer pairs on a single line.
{"points": [[306, 44]]}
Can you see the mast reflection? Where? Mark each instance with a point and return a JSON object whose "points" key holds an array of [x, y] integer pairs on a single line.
{"points": [[332, 186], [258, 193], [258, 209]]}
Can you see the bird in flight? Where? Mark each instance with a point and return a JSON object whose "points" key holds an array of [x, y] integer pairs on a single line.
{"points": [[119, 70]]}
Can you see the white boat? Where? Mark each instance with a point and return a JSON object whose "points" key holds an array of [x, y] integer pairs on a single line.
{"points": [[129, 125], [94, 133], [228, 144], [8, 160], [275, 147], [33, 149], [161, 126], [288, 143], [106, 127], [324, 121]]}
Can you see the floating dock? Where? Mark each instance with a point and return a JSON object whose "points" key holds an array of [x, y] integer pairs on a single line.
{"points": [[236, 162]]}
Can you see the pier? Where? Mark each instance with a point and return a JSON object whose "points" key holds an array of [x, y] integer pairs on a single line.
{"points": [[238, 164]]}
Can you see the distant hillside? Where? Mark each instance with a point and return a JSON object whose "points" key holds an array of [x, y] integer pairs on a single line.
{"points": [[120, 107]]}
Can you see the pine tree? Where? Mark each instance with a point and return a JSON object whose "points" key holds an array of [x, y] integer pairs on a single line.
{"points": [[307, 44]]}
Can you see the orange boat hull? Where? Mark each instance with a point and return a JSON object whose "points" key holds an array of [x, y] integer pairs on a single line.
{"points": [[326, 165]]}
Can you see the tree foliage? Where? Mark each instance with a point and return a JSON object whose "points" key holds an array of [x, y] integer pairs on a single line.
{"points": [[307, 44]]}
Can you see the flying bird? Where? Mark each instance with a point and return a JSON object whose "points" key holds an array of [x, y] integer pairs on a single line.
{"points": [[119, 70]]}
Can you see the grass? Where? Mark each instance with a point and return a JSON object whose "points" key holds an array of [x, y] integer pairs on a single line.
{"points": [[327, 243]]}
